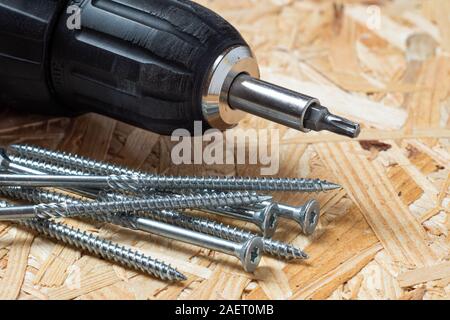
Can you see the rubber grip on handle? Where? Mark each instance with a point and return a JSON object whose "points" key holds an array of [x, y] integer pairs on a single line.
{"points": [[26, 29], [140, 61]]}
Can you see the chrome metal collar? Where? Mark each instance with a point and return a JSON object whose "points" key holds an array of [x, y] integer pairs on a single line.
{"points": [[216, 109]]}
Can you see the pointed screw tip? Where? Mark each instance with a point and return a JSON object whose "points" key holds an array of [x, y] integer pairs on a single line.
{"points": [[180, 277], [329, 186], [297, 254], [301, 255]]}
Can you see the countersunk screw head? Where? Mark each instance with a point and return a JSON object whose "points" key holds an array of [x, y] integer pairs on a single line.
{"points": [[268, 217], [251, 253], [308, 216]]}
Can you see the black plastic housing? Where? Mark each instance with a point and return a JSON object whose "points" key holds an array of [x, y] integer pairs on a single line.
{"points": [[26, 29], [144, 62]]}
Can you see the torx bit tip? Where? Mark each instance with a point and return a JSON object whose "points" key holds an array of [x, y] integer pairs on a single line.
{"points": [[319, 118], [341, 126]]}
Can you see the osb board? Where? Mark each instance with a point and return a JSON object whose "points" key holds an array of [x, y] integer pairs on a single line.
{"points": [[384, 236]]}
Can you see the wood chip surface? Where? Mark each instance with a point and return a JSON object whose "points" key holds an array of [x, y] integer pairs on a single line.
{"points": [[385, 235]]}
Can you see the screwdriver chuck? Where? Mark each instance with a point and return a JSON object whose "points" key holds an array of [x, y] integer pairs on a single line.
{"points": [[158, 64]]}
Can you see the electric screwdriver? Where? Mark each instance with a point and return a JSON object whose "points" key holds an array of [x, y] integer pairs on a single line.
{"points": [[157, 64]]}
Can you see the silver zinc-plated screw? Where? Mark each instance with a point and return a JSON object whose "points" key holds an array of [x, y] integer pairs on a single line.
{"points": [[73, 161], [40, 195], [264, 216], [286, 252], [127, 179], [103, 248], [18, 165], [52, 210], [248, 251], [307, 216], [139, 184], [272, 247]]}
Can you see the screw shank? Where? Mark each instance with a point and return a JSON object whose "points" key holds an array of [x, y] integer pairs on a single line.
{"points": [[16, 213], [286, 211], [18, 168], [51, 181], [188, 236], [244, 215]]}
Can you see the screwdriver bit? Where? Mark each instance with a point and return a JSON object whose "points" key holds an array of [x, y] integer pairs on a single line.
{"points": [[159, 65]]}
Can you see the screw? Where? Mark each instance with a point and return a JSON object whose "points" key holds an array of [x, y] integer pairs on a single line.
{"points": [[103, 248], [38, 195], [265, 216], [87, 208], [138, 184], [273, 247], [15, 164], [248, 252], [73, 161], [307, 216], [127, 179], [18, 165]]}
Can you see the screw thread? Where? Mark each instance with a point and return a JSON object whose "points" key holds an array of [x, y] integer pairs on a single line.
{"points": [[46, 166], [136, 183], [169, 202], [103, 248], [38, 195], [273, 247], [128, 179], [223, 231], [73, 161]]}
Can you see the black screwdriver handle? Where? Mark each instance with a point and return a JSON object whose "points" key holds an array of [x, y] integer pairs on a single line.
{"points": [[144, 62]]}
